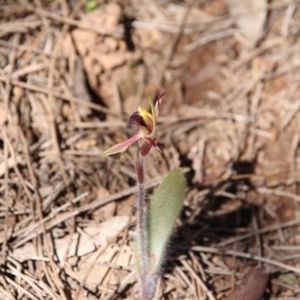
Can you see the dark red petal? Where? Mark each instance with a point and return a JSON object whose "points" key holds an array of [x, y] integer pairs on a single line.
{"points": [[137, 119], [145, 148], [152, 142]]}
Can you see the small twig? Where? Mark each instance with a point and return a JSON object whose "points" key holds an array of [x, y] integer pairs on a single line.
{"points": [[210, 38], [247, 256], [116, 32], [197, 278], [28, 69], [291, 115], [7, 291], [21, 289], [294, 149], [278, 192], [260, 231], [44, 90], [257, 236], [28, 49], [126, 281], [287, 19]]}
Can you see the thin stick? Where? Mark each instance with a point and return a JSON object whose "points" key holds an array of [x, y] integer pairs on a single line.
{"points": [[199, 281], [260, 231], [247, 256], [47, 91]]}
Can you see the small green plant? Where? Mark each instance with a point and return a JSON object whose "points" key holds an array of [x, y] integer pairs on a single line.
{"points": [[156, 218], [90, 5]]}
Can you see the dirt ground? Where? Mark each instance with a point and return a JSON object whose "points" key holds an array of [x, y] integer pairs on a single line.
{"points": [[72, 72]]}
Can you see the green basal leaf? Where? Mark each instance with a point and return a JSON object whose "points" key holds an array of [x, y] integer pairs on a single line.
{"points": [[164, 208]]}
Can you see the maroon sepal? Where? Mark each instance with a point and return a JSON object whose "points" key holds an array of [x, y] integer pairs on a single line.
{"points": [[145, 148]]}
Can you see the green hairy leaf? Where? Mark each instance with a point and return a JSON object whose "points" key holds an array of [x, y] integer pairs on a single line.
{"points": [[164, 208]]}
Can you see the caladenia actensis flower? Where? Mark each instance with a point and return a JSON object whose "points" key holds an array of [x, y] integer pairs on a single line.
{"points": [[147, 133], [155, 220]]}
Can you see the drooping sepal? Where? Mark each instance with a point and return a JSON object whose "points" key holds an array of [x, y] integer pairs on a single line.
{"points": [[121, 147]]}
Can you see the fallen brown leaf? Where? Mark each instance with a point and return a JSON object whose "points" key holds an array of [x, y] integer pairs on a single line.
{"points": [[252, 287]]}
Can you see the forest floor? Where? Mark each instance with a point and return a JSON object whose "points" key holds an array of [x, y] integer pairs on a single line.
{"points": [[70, 76]]}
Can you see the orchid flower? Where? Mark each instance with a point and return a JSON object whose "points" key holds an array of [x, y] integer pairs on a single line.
{"points": [[147, 123]]}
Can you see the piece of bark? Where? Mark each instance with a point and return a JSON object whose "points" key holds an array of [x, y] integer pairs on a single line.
{"points": [[252, 287]]}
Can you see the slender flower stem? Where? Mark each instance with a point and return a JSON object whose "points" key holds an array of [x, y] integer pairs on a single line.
{"points": [[142, 221]]}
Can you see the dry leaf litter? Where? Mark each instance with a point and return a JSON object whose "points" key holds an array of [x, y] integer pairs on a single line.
{"points": [[69, 78]]}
